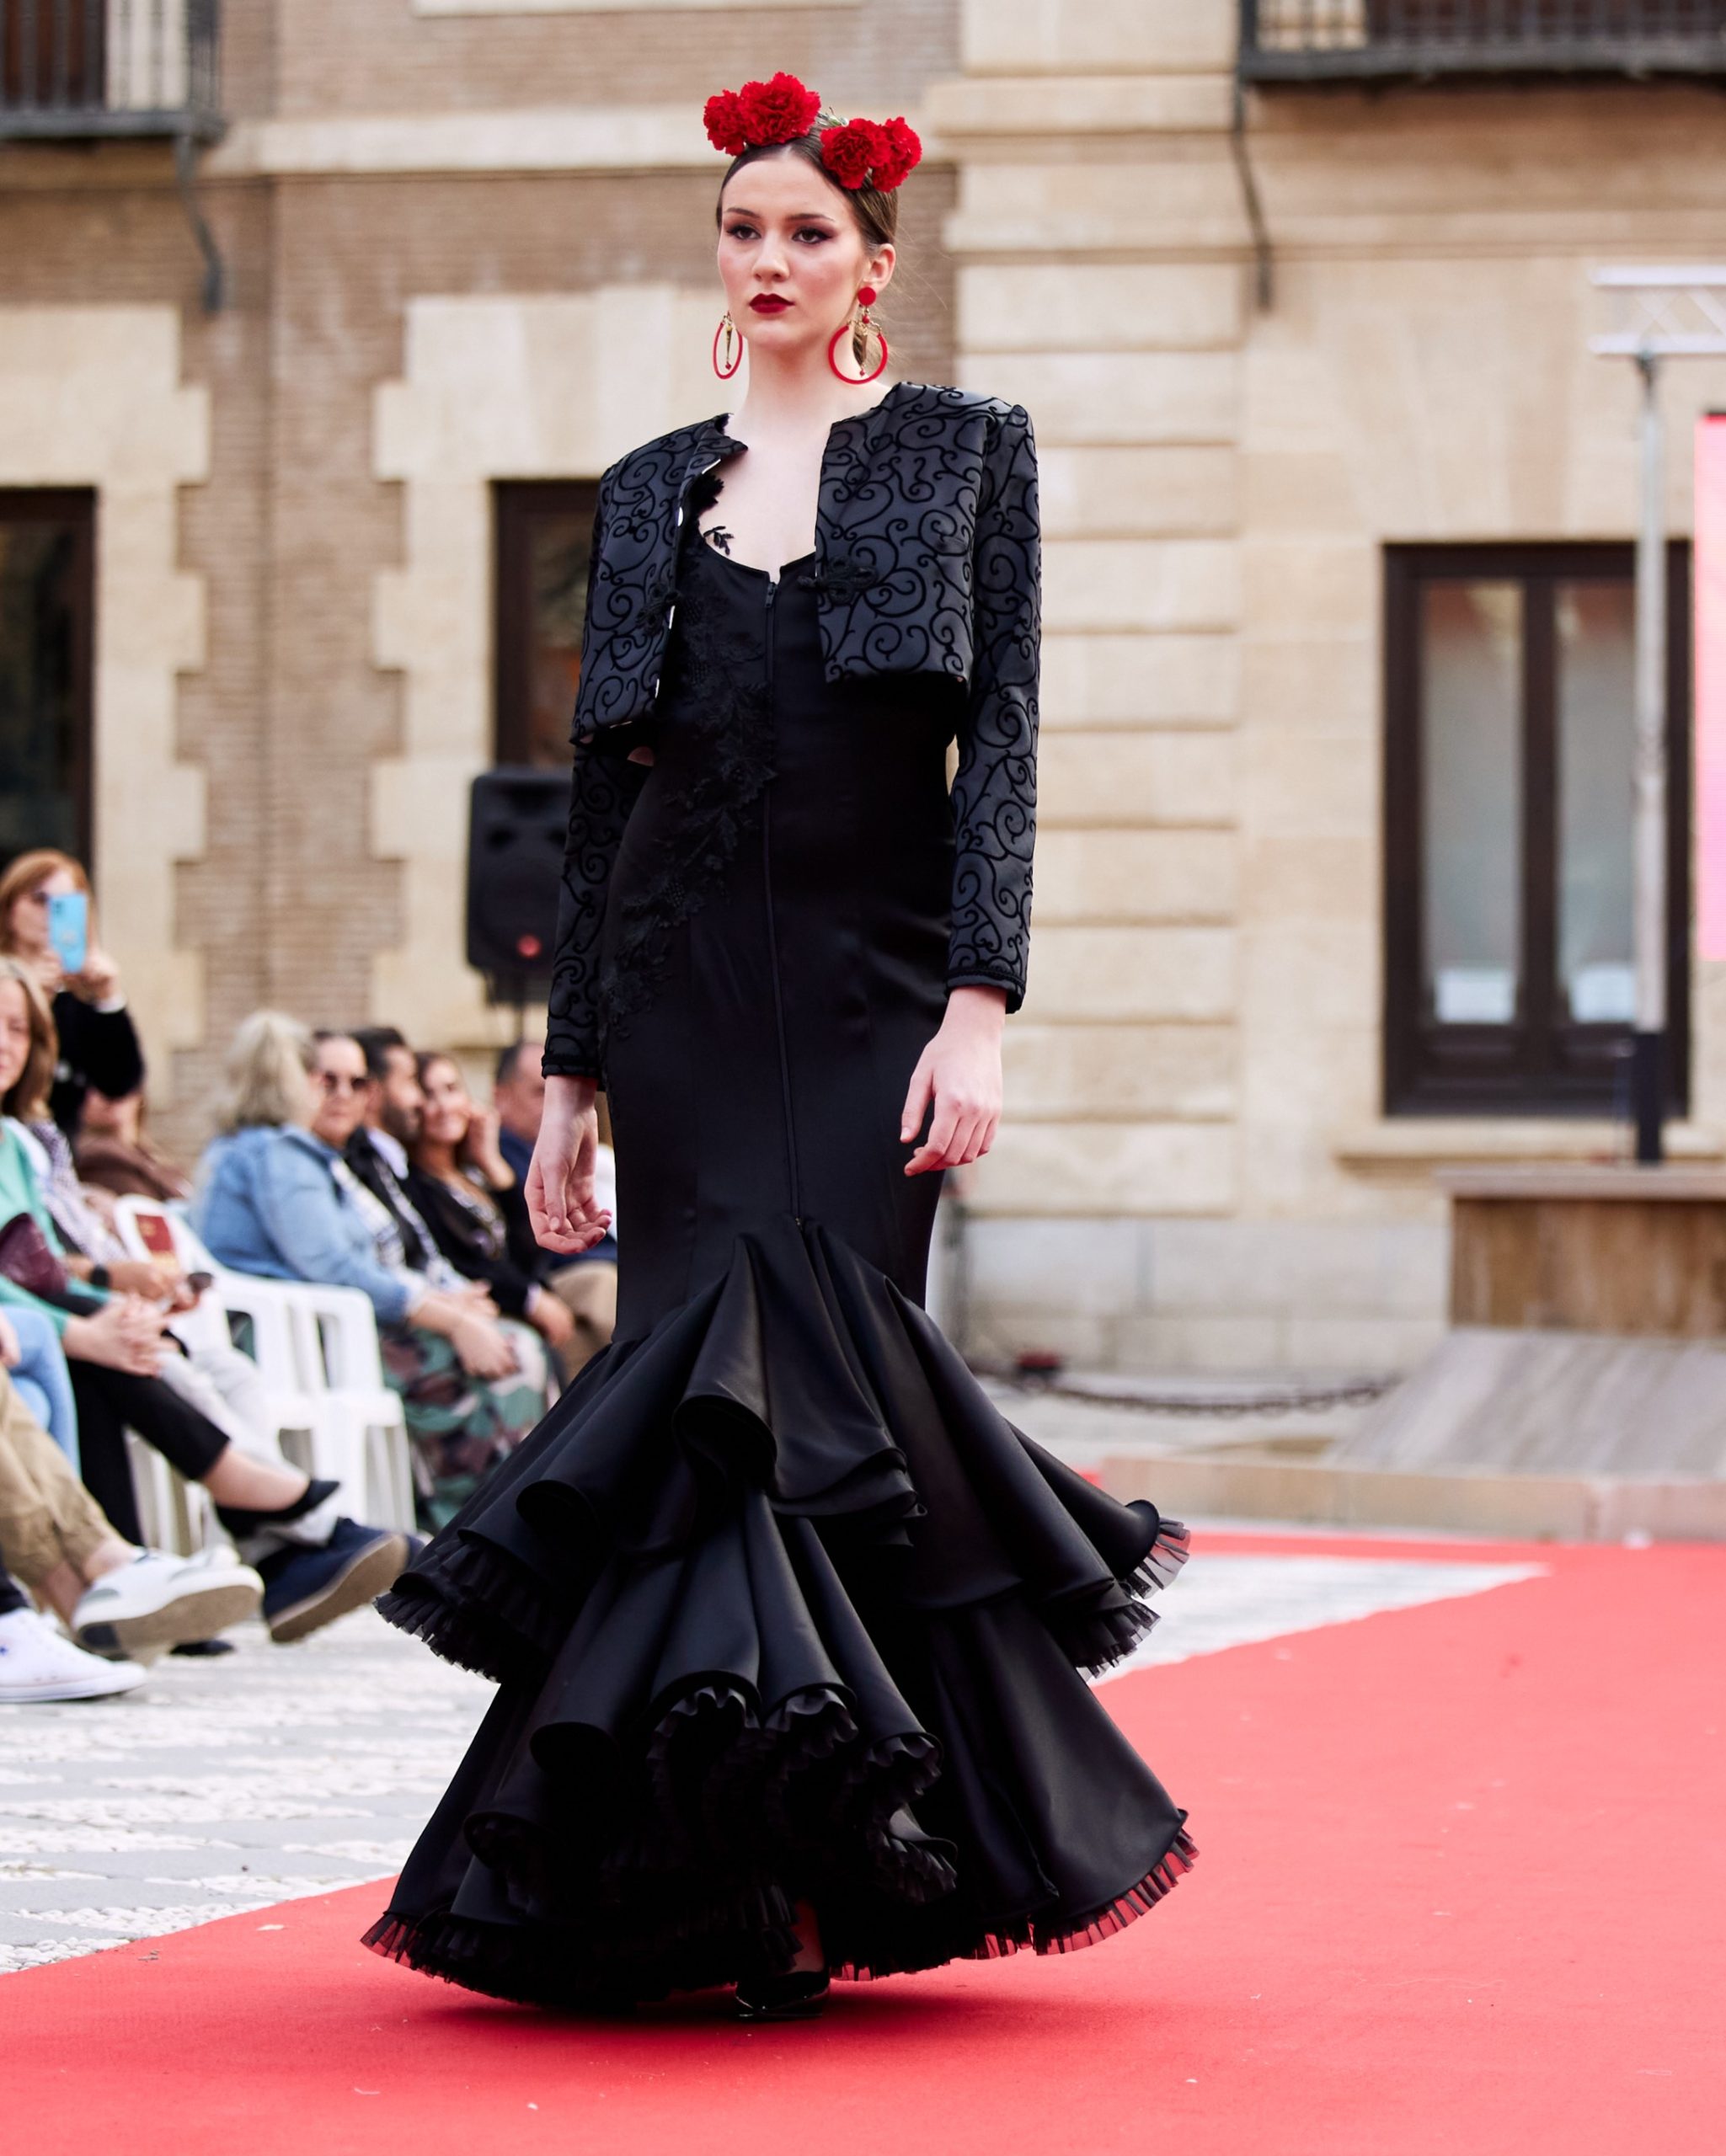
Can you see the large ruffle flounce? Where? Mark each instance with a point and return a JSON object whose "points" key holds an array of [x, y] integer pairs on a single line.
{"points": [[782, 1608]]}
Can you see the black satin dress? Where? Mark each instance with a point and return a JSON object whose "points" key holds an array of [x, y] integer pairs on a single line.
{"points": [[780, 1607]]}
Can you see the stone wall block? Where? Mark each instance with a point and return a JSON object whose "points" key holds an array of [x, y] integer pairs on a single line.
{"points": [[1138, 973], [1116, 397], [1105, 1168], [1174, 492], [1181, 1072], [1095, 681], [1084, 306], [1120, 875], [1155, 778], [1063, 36], [1112, 585]]}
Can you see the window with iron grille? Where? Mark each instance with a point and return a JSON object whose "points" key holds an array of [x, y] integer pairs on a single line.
{"points": [[1509, 986], [1310, 40]]}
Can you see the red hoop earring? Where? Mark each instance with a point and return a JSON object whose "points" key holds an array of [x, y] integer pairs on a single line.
{"points": [[729, 330], [865, 299]]}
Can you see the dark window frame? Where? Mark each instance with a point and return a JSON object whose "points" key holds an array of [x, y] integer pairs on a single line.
{"points": [[515, 503], [76, 506], [1536, 1065]]}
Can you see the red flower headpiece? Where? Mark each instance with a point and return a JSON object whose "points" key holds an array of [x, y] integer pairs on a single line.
{"points": [[856, 153]]}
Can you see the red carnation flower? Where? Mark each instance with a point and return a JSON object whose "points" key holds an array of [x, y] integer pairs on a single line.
{"points": [[778, 111], [851, 151], [901, 155], [723, 117]]}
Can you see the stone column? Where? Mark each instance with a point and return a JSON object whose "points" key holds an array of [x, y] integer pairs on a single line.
{"points": [[1103, 265]]}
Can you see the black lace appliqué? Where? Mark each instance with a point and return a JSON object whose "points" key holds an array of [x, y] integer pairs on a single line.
{"points": [[718, 676]]}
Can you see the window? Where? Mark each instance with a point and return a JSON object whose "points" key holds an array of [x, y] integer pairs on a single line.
{"points": [[1509, 982], [47, 574], [544, 537]]}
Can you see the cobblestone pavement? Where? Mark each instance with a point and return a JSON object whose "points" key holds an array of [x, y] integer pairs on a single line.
{"points": [[274, 1772]]}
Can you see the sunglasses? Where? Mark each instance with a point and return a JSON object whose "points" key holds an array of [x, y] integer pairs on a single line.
{"points": [[338, 1081]]}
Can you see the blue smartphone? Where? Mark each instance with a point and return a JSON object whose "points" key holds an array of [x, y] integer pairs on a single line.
{"points": [[69, 929]]}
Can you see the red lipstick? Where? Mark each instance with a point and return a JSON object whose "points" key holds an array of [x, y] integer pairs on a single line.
{"points": [[768, 303]]}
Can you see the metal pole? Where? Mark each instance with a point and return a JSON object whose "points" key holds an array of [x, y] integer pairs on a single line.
{"points": [[1648, 1067]]}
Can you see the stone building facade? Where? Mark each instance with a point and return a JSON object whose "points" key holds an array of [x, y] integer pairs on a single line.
{"points": [[467, 246]]}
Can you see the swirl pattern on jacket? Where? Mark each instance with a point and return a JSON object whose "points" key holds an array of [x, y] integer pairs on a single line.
{"points": [[927, 561]]}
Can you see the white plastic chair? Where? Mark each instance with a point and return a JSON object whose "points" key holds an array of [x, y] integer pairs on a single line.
{"points": [[173, 1513], [317, 1350]]}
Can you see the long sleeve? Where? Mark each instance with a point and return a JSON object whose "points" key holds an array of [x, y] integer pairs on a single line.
{"points": [[98, 1048], [302, 1216], [601, 793], [995, 789]]}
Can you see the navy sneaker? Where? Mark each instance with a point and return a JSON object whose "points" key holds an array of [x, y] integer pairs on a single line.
{"points": [[306, 1589]]}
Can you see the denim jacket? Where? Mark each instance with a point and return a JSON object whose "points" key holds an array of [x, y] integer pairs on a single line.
{"points": [[928, 561], [279, 1202]]}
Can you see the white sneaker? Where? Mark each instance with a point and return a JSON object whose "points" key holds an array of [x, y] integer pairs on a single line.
{"points": [[37, 1663], [159, 1600]]}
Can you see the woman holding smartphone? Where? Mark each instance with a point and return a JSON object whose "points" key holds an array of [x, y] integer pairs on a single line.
{"points": [[47, 921]]}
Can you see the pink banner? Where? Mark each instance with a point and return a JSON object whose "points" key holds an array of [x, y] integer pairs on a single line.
{"points": [[1710, 583]]}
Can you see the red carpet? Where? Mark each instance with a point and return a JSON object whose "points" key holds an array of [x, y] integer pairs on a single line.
{"points": [[1463, 1888]]}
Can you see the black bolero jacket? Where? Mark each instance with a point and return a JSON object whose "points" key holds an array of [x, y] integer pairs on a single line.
{"points": [[928, 561]]}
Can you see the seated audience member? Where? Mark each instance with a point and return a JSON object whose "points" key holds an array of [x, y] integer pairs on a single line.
{"points": [[587, 1285], [213, 1376], [38, 1664], [464, 1191], [116, 1599], [387, 1130], [276, 1197], [114, 1155], [99, 1043], [315, 1566]]}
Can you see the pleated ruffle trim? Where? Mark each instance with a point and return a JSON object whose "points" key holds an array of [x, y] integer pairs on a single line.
{"points": [[781, 1610]]}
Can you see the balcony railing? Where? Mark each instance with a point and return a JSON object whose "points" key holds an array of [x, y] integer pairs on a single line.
{"points": [[1315, 41], [77, 70]]}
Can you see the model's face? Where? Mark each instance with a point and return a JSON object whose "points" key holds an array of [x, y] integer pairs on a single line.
{"points": [[15, 1034], [448, 1110], [520, 1100], [791, 256], [338, 1091], [27, 932]]}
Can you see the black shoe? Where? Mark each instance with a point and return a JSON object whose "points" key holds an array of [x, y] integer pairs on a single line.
{"points": [[306, 1589], [797, 1996], [241, 1522]]}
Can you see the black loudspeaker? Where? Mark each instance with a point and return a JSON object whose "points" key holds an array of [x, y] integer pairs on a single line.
{"points": [[517, 822]]}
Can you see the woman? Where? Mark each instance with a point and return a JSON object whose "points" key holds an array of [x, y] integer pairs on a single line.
{"points": [[315, 1564], [276, 1198], [789, 1624], [99, 1043], [114, 1154], [468, 1195]]}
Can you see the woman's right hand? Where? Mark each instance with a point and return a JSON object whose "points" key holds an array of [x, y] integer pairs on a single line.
{"points": [[125, 1334], [561, 1205]]}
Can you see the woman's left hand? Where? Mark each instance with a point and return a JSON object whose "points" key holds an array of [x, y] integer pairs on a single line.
{"points": [[958, 1076]]}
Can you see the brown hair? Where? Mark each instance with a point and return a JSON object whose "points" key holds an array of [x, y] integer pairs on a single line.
{"points": [[874, 213], [23, 875], [27, 1100]]}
